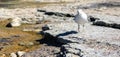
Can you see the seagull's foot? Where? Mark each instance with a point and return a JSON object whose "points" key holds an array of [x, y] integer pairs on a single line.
{"points": [[78, 31]]}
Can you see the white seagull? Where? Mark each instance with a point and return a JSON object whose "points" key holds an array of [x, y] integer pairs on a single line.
{"points": [[80, 18]]}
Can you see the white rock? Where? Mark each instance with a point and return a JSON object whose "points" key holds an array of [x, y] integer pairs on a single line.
{"points": [[16, 22], [68, 55], [20, 53], [13, 55]]}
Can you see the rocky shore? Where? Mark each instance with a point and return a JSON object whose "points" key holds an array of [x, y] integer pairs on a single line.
{"points": [[57, 34], [100, 38]]}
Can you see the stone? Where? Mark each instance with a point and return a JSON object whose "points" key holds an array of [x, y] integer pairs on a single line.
{"points": [[92, 19], [16, 22], [102, 23], [107, 18], [45, 28], [9, 25], [1, 48], [40, 20], [13, 55], [30, 44], [74, 51], [68, 55], [21, 44], [27, 44], [39, 10], [43, 51], [59, 14], [20, 53], [88, 51]]}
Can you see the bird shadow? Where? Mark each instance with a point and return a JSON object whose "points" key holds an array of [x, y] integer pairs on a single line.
{"points": [[51, 40], [66, 33]]}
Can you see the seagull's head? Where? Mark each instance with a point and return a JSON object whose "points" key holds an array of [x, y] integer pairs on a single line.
{"points": [[79, 11]]}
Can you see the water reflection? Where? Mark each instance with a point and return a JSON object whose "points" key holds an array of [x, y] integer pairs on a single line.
{"points": [[6, 5], [6, 0]]}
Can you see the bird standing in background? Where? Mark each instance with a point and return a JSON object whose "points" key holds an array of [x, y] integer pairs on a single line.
{"points": [[80, 18]]}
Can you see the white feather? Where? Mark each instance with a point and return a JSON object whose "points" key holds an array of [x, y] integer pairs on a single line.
{"points": [[80, 17]]}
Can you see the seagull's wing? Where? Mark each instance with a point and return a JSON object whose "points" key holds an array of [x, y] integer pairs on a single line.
{"points": [[76, 16]]}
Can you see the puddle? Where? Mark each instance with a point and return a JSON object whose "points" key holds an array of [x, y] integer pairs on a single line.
{"points": [[24, 4]]}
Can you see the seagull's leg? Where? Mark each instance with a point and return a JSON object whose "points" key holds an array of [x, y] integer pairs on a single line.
{"points": [[83, 28], [78, 27]]}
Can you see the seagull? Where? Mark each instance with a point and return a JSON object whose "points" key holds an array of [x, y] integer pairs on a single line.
{"points": [[80, 18]]}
